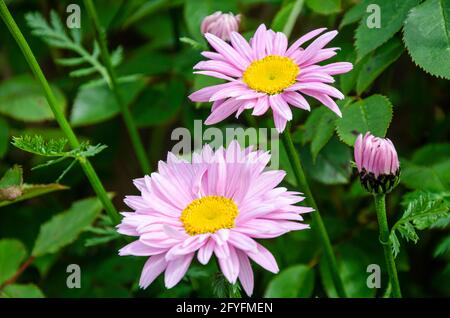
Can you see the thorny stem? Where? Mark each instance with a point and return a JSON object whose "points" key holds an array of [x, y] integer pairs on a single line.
{"points": [[126, 114], [380, 207], [57, 112]]}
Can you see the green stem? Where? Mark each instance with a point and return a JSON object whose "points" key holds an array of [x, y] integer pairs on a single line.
{"points": [[380, 206], [317, 223], [126, 114], [287, 29], [57, 112]]}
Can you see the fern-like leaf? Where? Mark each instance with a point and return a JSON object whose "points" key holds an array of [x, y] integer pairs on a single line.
{"points": [[55, 35], [424, 211]]}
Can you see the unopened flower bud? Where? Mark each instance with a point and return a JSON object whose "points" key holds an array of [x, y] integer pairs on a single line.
{"points": [[221, 24], [377, 163]]}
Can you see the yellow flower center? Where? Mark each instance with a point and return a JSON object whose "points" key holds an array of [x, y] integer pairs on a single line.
{"points": [[209, 214], [272, 74]]}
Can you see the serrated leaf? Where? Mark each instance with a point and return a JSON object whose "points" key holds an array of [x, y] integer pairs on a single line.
{"points": [[293, 282], [421, 213], [372, 114], [429, 168], [392, 14], [21, 98], [64, 228], [427, 37], [21, 291], [324, 6], [377, 63], [12, 254]]}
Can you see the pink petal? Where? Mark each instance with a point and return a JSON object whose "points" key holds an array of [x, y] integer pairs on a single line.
{"points": [[152, 268], [259, 42], [245, 273], [223, 111], [297, 100], [205, 252], [176, 269], [308, 36], [261, 106], [280, 44], [264, 258], [227, 51], [241, 45], [242, 241], [280, 106], [230, 266]]}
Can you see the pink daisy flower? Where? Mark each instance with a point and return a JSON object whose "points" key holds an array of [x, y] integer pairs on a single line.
{"points": [[265, 74], [217, 204]]}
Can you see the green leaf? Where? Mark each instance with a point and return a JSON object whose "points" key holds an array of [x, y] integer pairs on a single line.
{"points": [[319, 128], [324, 6], [21, 98], [12, 177], [354, 14], [11, 184], [427, 37], [4, 137], [12, 254], [293, 282], [391, 13], [29, 191], [429, 168], [372, 114], [160, 105], [37, 145], [280, 19], [332, 165], [64, 228], [443, 247], [196, 11], [96, 103], [421, 213], [377, 63], [21, 291], [352, 263]]}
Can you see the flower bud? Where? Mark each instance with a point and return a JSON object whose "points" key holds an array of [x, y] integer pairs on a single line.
{"points": [[377, 163], [221, 24]]}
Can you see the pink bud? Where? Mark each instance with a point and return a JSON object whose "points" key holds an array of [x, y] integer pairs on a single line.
{"points": [[376, 155], [221, 24]]}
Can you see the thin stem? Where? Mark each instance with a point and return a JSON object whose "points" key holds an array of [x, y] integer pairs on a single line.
{"points": [[380, 206], [317, 222], [57, 112], [287, 29], [19, 272], [126, 114]]}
